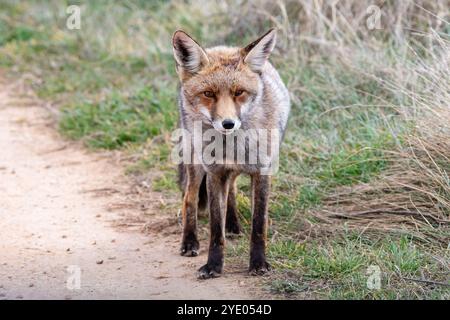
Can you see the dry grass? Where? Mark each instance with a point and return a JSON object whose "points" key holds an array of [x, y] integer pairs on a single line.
{"points": [[413, 194]]}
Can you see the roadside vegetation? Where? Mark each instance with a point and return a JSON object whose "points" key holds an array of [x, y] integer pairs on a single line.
{"points": [[364, 181]]}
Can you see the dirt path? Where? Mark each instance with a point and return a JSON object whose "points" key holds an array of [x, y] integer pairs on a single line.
{"points": [[54, 216]]}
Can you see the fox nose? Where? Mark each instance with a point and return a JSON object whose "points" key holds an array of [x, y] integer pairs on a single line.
{"points": [[228, 124]]}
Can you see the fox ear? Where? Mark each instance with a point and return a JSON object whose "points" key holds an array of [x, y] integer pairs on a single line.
{"points": [[257, 52], [188, 54]]}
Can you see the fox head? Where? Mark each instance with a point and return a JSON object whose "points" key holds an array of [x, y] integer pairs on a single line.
{"points": [[220, 84]]}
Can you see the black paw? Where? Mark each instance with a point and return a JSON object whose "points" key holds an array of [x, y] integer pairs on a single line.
{"points": [[233, 227], [259, 267], [189, 248], [209, 271]]}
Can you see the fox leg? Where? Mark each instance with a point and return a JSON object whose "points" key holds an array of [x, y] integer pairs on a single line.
{"points": [[217, 186], [232, 221], [189, 243], [260, 199]]}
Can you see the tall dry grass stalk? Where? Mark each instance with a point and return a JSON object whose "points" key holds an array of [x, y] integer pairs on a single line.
{"points": [[336, 21]]}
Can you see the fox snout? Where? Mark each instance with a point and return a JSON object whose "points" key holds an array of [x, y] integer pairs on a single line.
{"points": [[225, 115], [227, 126]]}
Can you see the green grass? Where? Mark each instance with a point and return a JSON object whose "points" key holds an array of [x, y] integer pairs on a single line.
{"points": [[118, 121], [340, 268], [116, 85], [166, 182]]}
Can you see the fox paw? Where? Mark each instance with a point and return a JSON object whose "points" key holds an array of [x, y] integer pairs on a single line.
{"points": [[233, 228], [259, 268], [209, 271], [189, 248], [232, 225]]}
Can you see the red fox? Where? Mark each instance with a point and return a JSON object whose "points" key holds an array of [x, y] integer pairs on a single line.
{"points": [[231, 91]]}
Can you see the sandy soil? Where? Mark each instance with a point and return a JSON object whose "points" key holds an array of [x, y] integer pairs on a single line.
{"points": [[57, 228]]}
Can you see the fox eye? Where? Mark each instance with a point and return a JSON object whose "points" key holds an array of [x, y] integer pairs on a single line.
{"points": [[237, 93], [209, 94]]}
